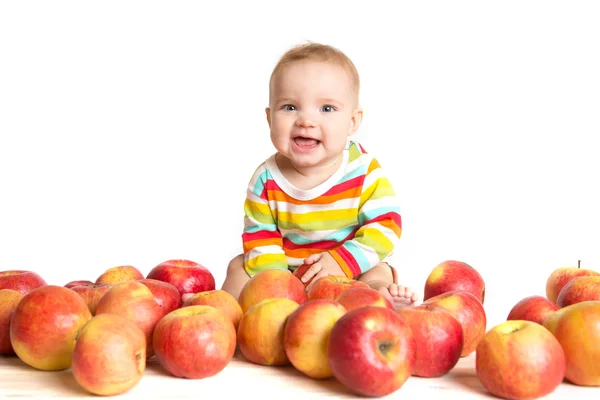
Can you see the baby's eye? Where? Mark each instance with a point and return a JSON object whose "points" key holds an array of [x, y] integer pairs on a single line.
{"points": [[328, 108], [288, 107]]}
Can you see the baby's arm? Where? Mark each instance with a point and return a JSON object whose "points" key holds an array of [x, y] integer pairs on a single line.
{"points": [[381, 226], [262, 241]]}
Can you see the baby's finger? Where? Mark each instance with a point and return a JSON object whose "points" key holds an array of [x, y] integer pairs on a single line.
{"points": [[318, 276], [312, 259], [312, 271]]}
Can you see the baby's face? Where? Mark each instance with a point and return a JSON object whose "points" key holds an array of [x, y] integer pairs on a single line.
{"points": [[312, 112]]}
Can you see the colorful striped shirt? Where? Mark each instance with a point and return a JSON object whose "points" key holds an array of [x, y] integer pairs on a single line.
{"points": [[353, 216]]}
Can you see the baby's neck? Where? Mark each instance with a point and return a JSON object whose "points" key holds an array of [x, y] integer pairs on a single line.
{"points": [[306, 178]]}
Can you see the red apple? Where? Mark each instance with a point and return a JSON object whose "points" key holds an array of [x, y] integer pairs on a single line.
{"points": [[299, 272], [8, 303], [166, 295], [44, 325], [519, 360], [134, 301], [109, 356], [306, 336], [330, 287], [21, 281], [577, 329], [561, 276], [532, 308], [452, 275], [92, 294], [438, 336], [187, 276], [372, 351], [581, 288], [360, 297], [72, 284], [261, 332], [271, 283], [120, 274], [221, 300], [470, 313], [194, 342]]}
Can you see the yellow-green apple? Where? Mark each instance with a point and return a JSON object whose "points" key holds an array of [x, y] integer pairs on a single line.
{"points": [[330, 287], [166, 295], [454, 275], [186, 275], [438, 336], [561, 276], [120, 274], [372, 351], [299, 272], [470, 313], [532, 308], [109, 356], [44, 325], [261, 332], [92, 294], [8, 303], [307, 333], [71, 284], [21, 281], [194, 342], [134, 301], [577, 329], [519, 359], [271, 283], [361, 297], [221, 300], [581, 288]]}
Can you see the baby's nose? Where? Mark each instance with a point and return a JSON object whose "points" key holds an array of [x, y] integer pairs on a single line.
{"points": [[306, 120]]}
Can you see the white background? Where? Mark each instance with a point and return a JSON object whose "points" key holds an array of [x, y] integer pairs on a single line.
{"points": [[129, 130]]}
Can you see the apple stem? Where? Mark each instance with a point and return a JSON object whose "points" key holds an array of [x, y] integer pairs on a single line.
{"points": [[578, 263]]}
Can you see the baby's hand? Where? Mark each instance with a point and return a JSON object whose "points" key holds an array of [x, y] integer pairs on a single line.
{"points": [[322, 264]]}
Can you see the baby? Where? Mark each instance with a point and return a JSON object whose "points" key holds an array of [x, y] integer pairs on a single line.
{"points": [[321, 199]]}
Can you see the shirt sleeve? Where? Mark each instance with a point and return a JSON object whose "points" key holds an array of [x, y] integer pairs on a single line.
{"points": [[380, 226], [262, 241]]}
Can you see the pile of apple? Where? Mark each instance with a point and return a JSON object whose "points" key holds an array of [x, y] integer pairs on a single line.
{"points": [[336, 327]]}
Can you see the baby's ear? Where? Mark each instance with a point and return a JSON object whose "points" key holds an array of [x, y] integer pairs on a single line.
{"points": [[356, 120], [268, 112]]}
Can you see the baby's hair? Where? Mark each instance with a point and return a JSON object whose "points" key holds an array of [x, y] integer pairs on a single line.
{"points": [[321, 53]]}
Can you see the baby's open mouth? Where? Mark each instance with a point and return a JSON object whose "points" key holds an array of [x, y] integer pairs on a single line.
{"points": [[302, 141]]}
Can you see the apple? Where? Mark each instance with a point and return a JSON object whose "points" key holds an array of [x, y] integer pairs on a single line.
{"points": [[452, 275], [438, 336], [578, 289], [361, 297], [330, 287], [306, 336], [21, 281], [194, 342], [519, 359], [166, 295], [470, 313], [299, 272], [187, 276], [120, 274], [271, 283], [221, 300], [577, 329], [109, 356], [44, 325], [134, 301], [92, 294], [8, 303], [371, 351], [561, 276], [71, 284], [532, 308], [261, 332]]}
